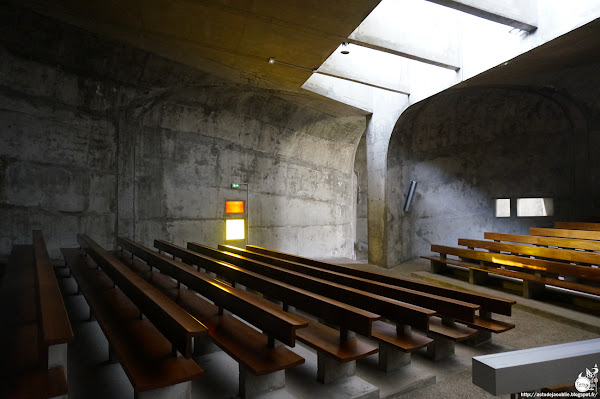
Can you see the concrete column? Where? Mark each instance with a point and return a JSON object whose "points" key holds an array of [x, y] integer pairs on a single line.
{"points": [[391, 358], [387, 107], [57, 356]]}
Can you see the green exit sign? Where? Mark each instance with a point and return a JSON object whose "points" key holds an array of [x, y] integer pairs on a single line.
{"points": [[235, 185]]}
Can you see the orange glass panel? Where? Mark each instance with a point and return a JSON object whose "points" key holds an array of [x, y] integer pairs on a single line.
{"points": [[234, 207]]}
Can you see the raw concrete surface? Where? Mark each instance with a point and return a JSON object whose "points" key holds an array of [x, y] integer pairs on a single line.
{"points": [[101, 138]]}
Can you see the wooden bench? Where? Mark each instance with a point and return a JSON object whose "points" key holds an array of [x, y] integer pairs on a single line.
{"points": [[262, 364], [145, 329], [35, 326], [578, 234], [577, 226], [587, 245], [328, 342], [405, 316], [448, 310], [528, 269], [488, 304], [532, 369], [567, 255]]}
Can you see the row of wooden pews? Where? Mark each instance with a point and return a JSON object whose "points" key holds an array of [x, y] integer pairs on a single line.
{"points": [[34, 326], [158, 312], [566, 256], [405, 325]]}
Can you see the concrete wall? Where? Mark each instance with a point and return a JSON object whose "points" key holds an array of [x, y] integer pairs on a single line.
{"points": [[97, 137], [466, 147]]}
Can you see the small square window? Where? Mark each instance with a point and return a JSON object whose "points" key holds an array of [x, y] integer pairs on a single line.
{"points": [[535, 207], [502, 207]]}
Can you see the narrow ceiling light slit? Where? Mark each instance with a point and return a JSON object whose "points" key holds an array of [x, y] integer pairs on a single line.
{"points": [[273, 61]]}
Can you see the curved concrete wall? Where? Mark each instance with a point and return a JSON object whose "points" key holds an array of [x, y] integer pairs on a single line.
{"points": [[84, 120], [466, 147]]}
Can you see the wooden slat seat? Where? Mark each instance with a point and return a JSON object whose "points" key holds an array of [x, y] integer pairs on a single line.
{"points": [[144, 352], [406, 342], [327, 339], [567, 255], [175, 323], [565, 233], [489, 304], [455, 332], [446, 306], [587, 245]]}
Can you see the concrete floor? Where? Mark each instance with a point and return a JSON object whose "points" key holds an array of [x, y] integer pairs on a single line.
{"points": [[537, 324]]}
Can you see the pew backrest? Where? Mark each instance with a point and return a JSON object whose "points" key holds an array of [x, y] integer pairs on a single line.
{"points": [[447, 307], [272, 321], [566, 233], [336, 312], [588, 245], [397, 311], [488, 303]]}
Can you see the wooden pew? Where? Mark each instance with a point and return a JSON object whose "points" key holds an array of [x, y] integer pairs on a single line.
{"points": [[449, 310], [496, 263], [577, 226], [567, 255], [446, 307], [34, 326], [488, 304], [404, 315], [578, 234], [146, 346], [256, 353], [587, 245], [327, 341]]}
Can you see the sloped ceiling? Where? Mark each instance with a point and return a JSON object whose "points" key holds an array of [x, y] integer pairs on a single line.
{"points": [[232, 39]]}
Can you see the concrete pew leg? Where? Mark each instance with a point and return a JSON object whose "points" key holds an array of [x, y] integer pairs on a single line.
{"points": [[204, 346], [391, 358], [112, 355], [438, 267], [251, 385], [441, 348], [477, 277], [482, 337], [330, 369], [177, 391], [57, 356], [532, 290]]}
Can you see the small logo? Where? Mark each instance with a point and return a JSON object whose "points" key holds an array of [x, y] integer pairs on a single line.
{"points": [[589, 381]]}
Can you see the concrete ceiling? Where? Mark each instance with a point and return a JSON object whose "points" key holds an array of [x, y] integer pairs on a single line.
{"points": [[544, 65], [232, 39]]}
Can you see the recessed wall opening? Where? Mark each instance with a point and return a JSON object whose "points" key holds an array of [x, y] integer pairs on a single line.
{"points": [[527, 207], [502, 207]]}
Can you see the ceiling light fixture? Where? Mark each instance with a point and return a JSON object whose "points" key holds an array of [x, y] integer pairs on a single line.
{"points": [[345, 51]]}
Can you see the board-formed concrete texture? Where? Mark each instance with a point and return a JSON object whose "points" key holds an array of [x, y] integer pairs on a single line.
{"points": [[100, 138]]}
